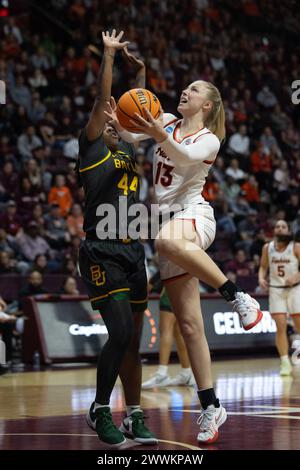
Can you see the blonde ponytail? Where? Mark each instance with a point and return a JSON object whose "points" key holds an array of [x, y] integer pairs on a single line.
{"points": [[215, 120]]}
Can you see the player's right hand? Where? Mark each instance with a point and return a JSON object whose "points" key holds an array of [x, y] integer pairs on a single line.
{"points": [[263, 284], [133, 59]]}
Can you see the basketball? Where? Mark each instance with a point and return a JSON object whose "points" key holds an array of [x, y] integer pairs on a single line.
{"points": [[134, 101]]}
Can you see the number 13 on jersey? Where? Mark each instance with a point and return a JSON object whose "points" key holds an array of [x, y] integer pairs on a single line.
{"points": [[163, 174]]}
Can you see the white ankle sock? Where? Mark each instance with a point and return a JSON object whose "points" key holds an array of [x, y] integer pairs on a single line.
{"points": [[284, 359], [162, 370], [132, 409], [186, 371]]}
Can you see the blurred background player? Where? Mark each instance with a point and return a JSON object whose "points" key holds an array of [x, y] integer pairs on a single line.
{"points": [[168, 331], [281, 259]]}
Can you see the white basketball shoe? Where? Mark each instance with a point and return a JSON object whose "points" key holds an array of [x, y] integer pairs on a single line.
{"points": [[248, 310], [209, 421]]}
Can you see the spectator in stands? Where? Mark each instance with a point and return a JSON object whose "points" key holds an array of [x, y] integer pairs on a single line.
{"points": [[20, 93], [56, 227], [7, 265], [292, 207], [266, 98], [38, 80], [37, 216], [9, 180], [226, 226], [296, 224], [28, 197], [75, 221], [267, 139], [239, 264], [218, 170], [40, 59], [31, 244], [251, 191], [34, 286], [234, 171], [10, 221], [240, 207], [27, 142], [11, 28], [261, 166], [230, 189], [239, 143], [60, 194], [72, 249], [281, 181], [40, 264], [38, 109], [69, 286], [211, 188], [4, 243], [258, 242]]}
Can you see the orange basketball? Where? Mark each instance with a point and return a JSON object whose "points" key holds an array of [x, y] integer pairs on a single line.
{"points": [[133, 101]]}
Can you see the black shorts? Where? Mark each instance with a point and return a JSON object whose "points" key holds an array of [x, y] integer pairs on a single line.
{"points": [[113, 268]]}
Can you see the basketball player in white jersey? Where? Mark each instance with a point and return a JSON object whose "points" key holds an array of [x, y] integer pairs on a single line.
{"points": [[281, 259], [186, 148]]}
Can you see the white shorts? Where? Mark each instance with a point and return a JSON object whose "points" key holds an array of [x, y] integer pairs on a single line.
{"points": [[284, 300], [205, 225]]}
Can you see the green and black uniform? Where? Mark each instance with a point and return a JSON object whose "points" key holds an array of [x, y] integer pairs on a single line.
{"points": [[113, 266]]}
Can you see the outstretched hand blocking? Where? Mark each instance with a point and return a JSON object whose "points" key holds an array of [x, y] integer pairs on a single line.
{"points": [[113, 41], [150, 126], [132, 59], [111, 114]]}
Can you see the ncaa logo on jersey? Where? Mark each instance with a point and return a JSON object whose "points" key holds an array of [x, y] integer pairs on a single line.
{"points": [[187, 142], [169, 129]]}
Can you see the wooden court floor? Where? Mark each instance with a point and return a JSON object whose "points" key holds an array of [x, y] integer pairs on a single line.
{"points": [[46, 410]]}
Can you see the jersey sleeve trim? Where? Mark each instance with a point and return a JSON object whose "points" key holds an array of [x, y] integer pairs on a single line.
{"points": [[204, 133], [178, 125], [95, 164]]}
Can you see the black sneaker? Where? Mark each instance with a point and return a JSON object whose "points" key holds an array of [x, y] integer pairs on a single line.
{"points": [[101, 422]]}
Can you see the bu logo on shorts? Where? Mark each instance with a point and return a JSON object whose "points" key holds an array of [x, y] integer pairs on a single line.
{"points": [[98, 276]]}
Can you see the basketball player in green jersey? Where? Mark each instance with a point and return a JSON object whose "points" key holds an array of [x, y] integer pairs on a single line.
{"points": [[112, 266]]}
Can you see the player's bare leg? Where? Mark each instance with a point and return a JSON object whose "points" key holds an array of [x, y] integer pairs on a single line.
{"points": [[185, 300], [161, 378], [282, 344], [180, 243]]}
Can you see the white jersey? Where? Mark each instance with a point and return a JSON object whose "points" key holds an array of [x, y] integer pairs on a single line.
{"points": [[282, 264], [175, 183], [180, 166]]}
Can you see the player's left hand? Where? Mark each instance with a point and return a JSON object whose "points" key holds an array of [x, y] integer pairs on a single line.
{"points": [[152, 127], [111, 114], [137, 62]]}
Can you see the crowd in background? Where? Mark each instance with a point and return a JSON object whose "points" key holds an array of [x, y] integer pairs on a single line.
{"points": [[249, 49]]}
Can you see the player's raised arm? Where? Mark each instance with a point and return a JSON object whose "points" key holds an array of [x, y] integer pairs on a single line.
{"points": [[138, 64], [112, 43]]}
